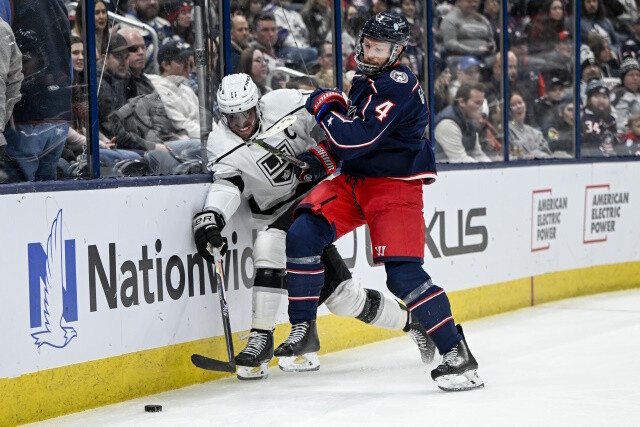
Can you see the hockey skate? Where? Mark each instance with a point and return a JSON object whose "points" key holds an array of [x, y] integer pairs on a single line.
{"points": [[419, 336], [458, 370], [298, 352], [253, 361]]}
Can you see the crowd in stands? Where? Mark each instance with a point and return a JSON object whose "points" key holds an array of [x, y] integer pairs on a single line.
{"points": [[147, 93], [470, 96]]}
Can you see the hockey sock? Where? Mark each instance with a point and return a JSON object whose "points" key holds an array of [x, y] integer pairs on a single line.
{"points": [[432, 309], [306, 239], [427, 302], [305, 282]]}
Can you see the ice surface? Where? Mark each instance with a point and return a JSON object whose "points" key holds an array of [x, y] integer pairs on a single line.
{"points": [[570, 363]]}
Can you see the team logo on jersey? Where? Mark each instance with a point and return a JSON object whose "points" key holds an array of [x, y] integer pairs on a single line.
{"points": [[399, 76], [278, 171]]}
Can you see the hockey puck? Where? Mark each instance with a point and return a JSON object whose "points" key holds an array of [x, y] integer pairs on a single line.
{"points": [[153, 408]]}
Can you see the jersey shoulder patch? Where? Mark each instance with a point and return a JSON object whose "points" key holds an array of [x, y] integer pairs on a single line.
{"points": [[399, 76]]}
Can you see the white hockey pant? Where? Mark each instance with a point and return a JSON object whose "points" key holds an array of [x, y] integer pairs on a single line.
{"points": [[368, 305]]}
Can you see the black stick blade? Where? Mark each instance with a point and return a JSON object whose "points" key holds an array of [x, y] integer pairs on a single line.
{"points": [[210, 364]]}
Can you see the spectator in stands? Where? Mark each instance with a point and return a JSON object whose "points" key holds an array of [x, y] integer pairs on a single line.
{"points": [[76, 141], [626, 97], [43, 114], [560, 61], [467, 32], [631, 46], [468, 72], [102, 22], [546, 27], [441, 90], [526, 142], [598, 124], [606, 59], [180, 102], [77, 59], [414, 50], [180, 19], [524, 86], [251, 9], [139, 83], [545, 106], [265, 36], [594, 20], [112, 83], [528, 66], [631, 139], [146, 11], [10, 80], [293, 36], [589, 71], [559, 131], [240, 37], [252, 62], [317, 17], [351, 26], [325, 61], [455, 131]]}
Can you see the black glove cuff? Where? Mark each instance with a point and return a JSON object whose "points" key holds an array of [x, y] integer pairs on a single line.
{"points": [[203, 218]]}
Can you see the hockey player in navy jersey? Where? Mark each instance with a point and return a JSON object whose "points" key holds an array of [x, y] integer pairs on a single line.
{"points": [[378, 136], [242, 168]]}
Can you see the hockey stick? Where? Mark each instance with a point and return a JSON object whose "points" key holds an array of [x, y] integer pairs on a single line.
{"points": [[205, 362], [276, 128]]}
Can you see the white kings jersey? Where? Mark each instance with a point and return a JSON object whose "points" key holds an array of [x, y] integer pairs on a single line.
{"points": [[268, 182]]}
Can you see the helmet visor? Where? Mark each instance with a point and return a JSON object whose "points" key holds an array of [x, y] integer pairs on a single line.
{"points": [[242, 124]]}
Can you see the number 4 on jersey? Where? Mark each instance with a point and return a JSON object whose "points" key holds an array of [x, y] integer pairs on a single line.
{"points": [[382, 110]]}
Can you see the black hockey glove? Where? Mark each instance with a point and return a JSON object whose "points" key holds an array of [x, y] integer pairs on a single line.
{"points": [[321, 160], [321, 101], [206, 230]]}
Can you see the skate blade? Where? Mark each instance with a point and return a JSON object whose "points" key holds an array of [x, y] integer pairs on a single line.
{"points": [[253, 372], [463, 382], [428, 355], [303, 363]]}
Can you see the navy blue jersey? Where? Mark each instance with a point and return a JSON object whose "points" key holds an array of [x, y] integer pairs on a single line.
{"points": [[383, 132], [598, 134]]}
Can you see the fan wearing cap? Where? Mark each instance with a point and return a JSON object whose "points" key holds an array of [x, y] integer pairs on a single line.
{"points": [[180, 18], [627, 95], [113, 94], [467, 72], [180, 101], [598, 125], [554, 93]]}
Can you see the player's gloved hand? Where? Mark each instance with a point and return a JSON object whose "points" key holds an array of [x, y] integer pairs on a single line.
{"points": [[206, 230], [321, 101], [321, 160]]}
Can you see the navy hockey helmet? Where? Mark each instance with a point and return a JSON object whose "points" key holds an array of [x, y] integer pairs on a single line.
{"points": [[387, 27]]}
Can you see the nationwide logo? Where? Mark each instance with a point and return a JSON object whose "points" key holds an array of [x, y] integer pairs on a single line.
{"points": [[53, 298]]}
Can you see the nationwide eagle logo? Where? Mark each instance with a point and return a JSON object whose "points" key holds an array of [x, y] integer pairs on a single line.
{"points": [[52, 288]]}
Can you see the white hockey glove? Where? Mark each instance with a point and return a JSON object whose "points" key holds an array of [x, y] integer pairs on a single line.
{"points": [[206, 230]]}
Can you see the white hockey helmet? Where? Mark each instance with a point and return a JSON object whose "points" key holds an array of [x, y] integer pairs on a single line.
{"points": [[237, 93], [237, 98]]}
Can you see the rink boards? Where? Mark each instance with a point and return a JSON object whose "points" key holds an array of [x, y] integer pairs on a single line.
{"points": [[105, 298]]}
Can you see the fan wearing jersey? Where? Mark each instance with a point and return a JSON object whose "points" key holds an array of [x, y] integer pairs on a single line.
{"points": [[242, 168], [379, 137]]}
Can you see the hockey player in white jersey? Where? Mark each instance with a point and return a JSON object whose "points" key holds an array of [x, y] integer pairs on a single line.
{"points": [[241, 167]]}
